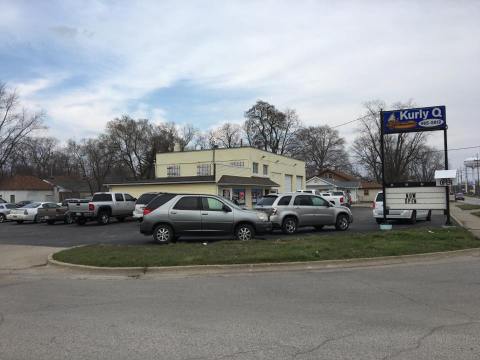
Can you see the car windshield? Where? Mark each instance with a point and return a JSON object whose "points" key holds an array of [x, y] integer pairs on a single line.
{"points": [[267, 200], [146, 198], [10, 206], [32, 206], [379, 197]]}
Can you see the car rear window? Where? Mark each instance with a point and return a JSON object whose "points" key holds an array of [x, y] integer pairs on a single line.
{"points": [[338, 193], [267, 200], [188, 203], [159, 200], [379, 197], [146, 198], [303, 200], [102, 197], [285, 200]]}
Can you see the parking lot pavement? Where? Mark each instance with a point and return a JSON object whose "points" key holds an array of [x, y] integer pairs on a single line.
{"points": [[61, 235]]}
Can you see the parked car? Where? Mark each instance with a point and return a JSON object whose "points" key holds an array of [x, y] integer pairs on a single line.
{"points": [[5, 209], [392, 214], [103, 206], [141, 203], [28, 212], [52, 214], [169, 216], [21, 204], [459, 196], [289, 211]]}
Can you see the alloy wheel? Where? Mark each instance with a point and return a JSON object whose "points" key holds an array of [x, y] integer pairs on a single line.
{"points": [[162, 234], [244, 234], [290, 226]]}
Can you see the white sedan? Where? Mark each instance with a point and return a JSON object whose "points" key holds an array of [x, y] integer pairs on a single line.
{"points": [[28, 212]]}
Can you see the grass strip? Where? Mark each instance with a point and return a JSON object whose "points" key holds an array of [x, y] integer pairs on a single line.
{"points": [[308, 248], [476, 213], [468, 207]]}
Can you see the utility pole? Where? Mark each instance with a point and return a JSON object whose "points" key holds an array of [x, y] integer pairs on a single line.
{"points": [[478, 176]]}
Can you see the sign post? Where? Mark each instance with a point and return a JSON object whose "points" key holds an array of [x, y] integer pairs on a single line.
{"points": [[425, 196]]}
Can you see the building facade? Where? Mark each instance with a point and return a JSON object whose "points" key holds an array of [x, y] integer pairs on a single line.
{"points": [[241, 174], [21, 187]]}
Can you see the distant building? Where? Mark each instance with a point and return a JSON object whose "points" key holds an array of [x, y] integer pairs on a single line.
{"points": [[68, 187], [24, 187], [243, 174]]}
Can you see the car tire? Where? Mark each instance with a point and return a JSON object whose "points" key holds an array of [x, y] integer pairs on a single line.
{"points": [[342, 222], [68, 219], [319, 227], [413, 218], [50, 222], [103, 218], [2, 218], [289, 225], [81, 221], [244, 232], [163, 234], [429, 215]]}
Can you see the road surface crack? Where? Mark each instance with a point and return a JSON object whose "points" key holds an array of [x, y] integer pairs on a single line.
{"points": [[319, 346]]}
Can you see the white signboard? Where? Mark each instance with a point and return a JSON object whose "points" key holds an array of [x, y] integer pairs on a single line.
{"points": [[446, 177], [416, 198]]}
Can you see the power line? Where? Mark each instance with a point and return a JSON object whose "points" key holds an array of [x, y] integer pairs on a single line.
{"points": [[351, 121], [455, 149]]}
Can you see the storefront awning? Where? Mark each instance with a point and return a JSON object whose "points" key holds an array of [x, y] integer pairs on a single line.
{"points": [[246, 181]]}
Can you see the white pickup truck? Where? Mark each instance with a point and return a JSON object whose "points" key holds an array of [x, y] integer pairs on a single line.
{"points": [[102, 207], [337, 200]]}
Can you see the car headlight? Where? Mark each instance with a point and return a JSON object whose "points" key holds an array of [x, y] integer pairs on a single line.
{"points": [[262, 216]]}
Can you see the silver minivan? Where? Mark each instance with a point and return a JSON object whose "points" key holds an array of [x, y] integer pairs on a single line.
{"points": [[289, 211], [170, 216]]}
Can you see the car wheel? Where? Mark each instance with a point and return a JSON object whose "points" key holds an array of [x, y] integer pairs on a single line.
{"points": [[244, 232], [81, 221], [68, 219], [413, 218], [2, 218], [429, 216], [289, 225], [103, 218], [35, 219], [163, 234], [50, 222], [342, 222], [319, 227]]}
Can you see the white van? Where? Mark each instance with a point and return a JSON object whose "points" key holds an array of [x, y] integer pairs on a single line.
{"points": [[411, 215]]}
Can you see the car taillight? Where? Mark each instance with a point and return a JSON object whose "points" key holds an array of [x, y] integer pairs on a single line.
{"points": [[341, 199], [274, 211], [91, 207], [373, 205], [146, 211]]}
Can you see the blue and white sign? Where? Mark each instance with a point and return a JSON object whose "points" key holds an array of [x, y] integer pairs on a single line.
{"points": [[413, 120]]}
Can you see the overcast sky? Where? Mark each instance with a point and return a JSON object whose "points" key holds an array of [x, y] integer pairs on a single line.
{"points": [[206, 62]]}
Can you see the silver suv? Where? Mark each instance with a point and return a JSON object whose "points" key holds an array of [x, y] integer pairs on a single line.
{"points": [[289, 211], [169, 216]]}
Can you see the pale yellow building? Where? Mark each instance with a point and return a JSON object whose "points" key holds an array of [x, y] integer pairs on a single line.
{"points": [[243, 174]]}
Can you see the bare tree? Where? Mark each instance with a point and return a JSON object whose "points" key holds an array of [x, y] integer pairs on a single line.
{"points": [[423, 167], [228, 135], [270, 129], [400, 149], [322, 148], [15, 124], [185, 136], [205, 141]]}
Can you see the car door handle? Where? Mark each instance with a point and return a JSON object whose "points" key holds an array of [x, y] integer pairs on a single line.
{"points": [[173, 212], [204, 213]]}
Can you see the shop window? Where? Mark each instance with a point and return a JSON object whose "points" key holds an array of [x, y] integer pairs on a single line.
{"points": [[238, 196], [265, 169], [256, 195], [255, 168], [173, 170], [365, 192], [237, 163]]}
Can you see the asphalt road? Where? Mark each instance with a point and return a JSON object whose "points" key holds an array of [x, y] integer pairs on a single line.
{"points": [[417, 311], [61, 235]]}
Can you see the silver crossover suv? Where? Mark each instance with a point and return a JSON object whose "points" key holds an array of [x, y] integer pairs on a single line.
{"points": [[169, 216], [289, 211]]}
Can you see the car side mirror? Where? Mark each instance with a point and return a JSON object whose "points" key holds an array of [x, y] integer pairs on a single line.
{"points": [[226, 208]]}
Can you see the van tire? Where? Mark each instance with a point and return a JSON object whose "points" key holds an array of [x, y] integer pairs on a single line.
{"points": [[163, 234], [2, 218], [289, 225], [342, 223], [244, 232], [413, 218], [429, 215]]}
